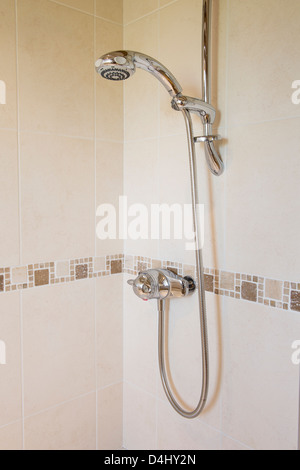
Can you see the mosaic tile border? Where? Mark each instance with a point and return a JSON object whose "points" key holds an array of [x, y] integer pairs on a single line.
{"points": [[284, 295]]}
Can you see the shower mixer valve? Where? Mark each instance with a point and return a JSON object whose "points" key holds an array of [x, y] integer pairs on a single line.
{"points": [[160, 284]]}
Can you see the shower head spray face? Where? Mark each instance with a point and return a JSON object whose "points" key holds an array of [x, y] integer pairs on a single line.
{"points": [[115, 66]]}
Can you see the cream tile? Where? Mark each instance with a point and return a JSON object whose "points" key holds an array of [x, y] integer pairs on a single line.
{"points": [[109, 308], [230, 444], [62, 269], [83, 5], [110, 418], [140, 341], [109, 95], [112, 10], [8, 111], [134, 9], [262, 199], [59, 344], [141, 92], [9, 200], [181, 54], [100, 264], [273, 289], [19, 275], [10, 373], [70, 426], [141, 187], [109, 188], [11, 437], [57, 197], [256, 385], [260, 88], [56, 76], [175, 432], [139, 407]]}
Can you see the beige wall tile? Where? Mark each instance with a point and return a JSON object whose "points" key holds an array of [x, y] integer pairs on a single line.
{"points": [[9, 200], [8, 111], [259, 88], [141, 92], [273, 289], [139, 407], [110, 418], [109, 188], [175, 432], [56, 76], [70, 426], [262, 199], [255, 385], [112, 10], [141, 186], [57, 197], [134, 9], [19, 275], [59, 346], [109, 94], [62, 269], [227, 280], [109, 308], [84, 5], [10, 373], [181, 54], [11, 437], [140, 335]]}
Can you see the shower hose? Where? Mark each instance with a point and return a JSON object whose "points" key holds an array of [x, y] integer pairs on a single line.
{"points": [[201, 296]]}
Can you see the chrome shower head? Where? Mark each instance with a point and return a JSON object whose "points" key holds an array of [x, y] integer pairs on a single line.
{"points": [[120, 65], [115, 66]]}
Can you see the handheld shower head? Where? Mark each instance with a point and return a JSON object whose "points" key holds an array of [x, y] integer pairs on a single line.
{"points": [[120, 65], [115, 66]]}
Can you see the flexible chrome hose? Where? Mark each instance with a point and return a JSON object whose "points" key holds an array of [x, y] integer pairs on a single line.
{"points": [[201, 296]]}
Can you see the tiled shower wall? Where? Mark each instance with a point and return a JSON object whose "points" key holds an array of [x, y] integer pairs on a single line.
{"points": [[62, 296], [251, 226], [61, 387]]}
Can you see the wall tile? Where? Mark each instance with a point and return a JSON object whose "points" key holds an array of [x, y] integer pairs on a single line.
{"points": [[57, 197], [11, 437], [262, 177], [59, 347], [10, 373], [258, 89], [254, 386], [110, 418], [8, 74], [9, 195], [109, 94], [139, 407], [84, 5], [109, 297], [112, 10], [56, 88], [69, 426], [134, 9]]}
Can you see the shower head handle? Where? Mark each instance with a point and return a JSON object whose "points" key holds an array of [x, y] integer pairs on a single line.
{"points": [[120, 65]]}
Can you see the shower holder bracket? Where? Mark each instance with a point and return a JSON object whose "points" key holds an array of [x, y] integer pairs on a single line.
{"points": [[207, 138]]}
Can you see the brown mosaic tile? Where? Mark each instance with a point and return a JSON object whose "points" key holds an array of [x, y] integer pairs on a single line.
{"points": [[209, 282], [273, 289], [1, 283], [249, 291], [295, 300], [81, 271], [116, 267], [41, 277]]}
